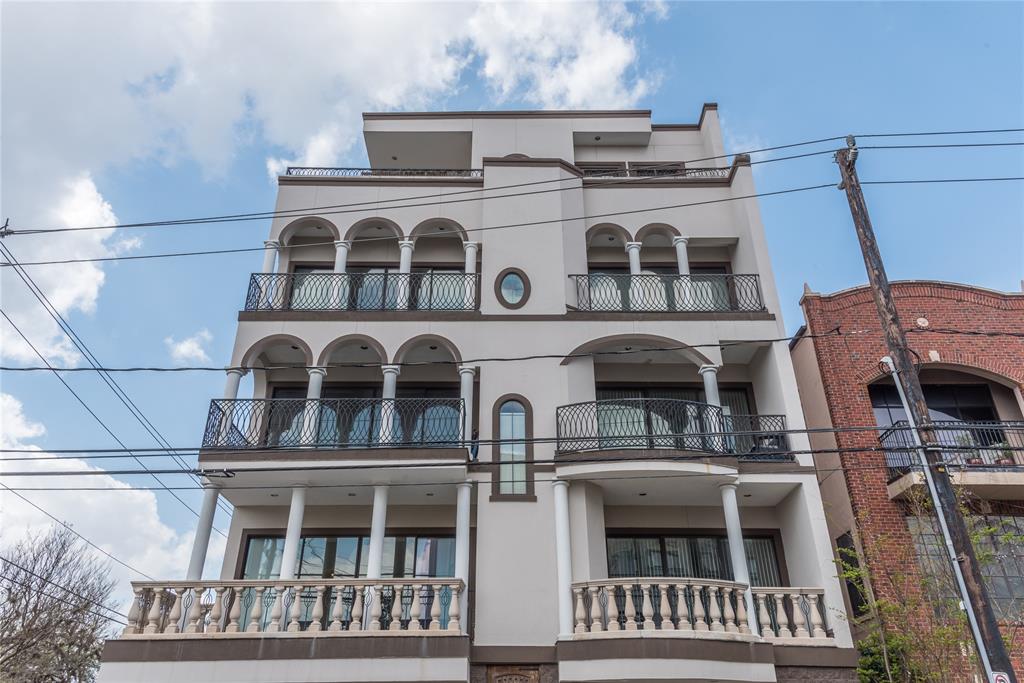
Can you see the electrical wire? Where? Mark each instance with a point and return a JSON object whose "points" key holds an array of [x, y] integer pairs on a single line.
{"points": [[72, 530], [86, 406], [318, 209], [939, 180], [58, 585], [38, 591], [80, 344], [268, 368]]}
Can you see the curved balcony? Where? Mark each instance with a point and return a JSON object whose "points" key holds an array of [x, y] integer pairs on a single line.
{"points": [[669, 424], [428, 291], [649, 293], [283, 423]]}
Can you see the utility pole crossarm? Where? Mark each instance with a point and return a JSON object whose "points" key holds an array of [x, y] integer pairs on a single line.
{"points": [[966, 569]]}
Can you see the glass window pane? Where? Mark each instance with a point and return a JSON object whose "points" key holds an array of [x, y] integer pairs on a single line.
{"points": [[679, 557], [263, 559], [312, 551], [512, 449], [512, 288], [628, 557], [345, 556], [762, 562]]}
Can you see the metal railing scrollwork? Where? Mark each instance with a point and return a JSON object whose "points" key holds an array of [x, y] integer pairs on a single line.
{"points": [[334, 423], [661, 423], [352, 172], [650, 292], [966, 444], [428, 291]]}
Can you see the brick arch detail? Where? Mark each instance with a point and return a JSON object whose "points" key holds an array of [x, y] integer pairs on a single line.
{"points": [[870, 372]]}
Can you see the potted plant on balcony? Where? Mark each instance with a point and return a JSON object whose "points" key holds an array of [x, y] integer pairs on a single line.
{"points": [[1005, 453], [970, 454]]}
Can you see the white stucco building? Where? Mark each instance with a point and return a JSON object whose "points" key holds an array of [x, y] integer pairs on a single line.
{"points": [[509, 420]]}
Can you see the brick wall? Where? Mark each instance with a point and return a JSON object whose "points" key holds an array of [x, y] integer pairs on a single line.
{"points": [[849, 363]]}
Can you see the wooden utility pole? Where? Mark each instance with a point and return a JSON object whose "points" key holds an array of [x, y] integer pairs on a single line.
{"points": [[984, 627]]}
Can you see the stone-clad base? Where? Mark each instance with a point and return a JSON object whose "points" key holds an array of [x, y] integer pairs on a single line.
{"points": [[815, 674]]}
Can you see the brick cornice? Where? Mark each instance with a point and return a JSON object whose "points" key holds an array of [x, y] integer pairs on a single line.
{"points": [[911, 289]]}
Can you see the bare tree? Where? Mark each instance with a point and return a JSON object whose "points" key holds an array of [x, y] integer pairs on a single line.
{"points": [[53, 609]]}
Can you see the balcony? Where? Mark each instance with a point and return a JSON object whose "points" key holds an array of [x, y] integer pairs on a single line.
{"points": [[649, 293], [333, 172], [691, 607], [429, 291], [597, 170], [977, 446], [334, 606], [356, 423], [670, 424]]}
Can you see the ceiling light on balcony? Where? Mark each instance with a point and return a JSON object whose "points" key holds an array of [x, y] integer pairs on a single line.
{"points": [[274, 495], [430, 495], [294, 347], [433, 348], [394, 158], [746, 495], [597, 138], [627, 348], [364, 347], [642, 494], [351, 495]]}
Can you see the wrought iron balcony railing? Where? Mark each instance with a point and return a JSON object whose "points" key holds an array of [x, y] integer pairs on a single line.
{"points": [[661, 423], [965, 444], [655, 170], [384, 172], [650, 293], [247, 424], [430, 291]]}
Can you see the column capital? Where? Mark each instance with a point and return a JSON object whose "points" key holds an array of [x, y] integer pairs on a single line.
{"points": [[633, 245], [560, 483], [469, 244], [403, 244], [342, 244], [467, 370], [464, 484], [391, 369], [729, 485], [272, 244], [704, 369], [680, 240], [241, 372], [317, 371]]}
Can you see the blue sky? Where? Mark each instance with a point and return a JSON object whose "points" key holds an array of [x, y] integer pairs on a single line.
{"points": [[180, 116]]}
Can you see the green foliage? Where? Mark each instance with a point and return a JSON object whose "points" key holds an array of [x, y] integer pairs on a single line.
{"points": [[886, 660]]}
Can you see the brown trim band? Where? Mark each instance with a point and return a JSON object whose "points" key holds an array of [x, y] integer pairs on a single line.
{"points": [[463, 316], [165, 649], [798, 655], [708, 106], [664, 648], [529, 495], [457, 456], [513, 654], [533, 162]]}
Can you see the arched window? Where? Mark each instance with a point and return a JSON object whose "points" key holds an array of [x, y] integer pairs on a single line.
{"points": [[512, 425]]}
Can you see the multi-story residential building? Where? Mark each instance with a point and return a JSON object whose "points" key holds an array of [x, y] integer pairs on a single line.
{"points": [[516, 415], [971, 367]]}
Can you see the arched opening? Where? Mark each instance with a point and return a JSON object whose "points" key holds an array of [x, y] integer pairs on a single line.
{"points": [[307, 245], [428, 398], [439, 279], [973, 413], [372, 266]]}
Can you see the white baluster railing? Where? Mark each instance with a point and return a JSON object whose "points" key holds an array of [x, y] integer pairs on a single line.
{"points": [[389, 606], [789, 613], [688, 605]]}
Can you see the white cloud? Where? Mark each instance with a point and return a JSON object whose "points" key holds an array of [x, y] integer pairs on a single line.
{"points": [[190, 348], [138, 537], [195, 82]]}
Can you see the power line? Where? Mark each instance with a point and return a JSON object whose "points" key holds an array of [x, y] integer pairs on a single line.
{"points": [[942, 132], [80, 344], [301, 211], [72, 530], [939, 180], [268, 368], [61, 586], [38, 591], [86, 405]]}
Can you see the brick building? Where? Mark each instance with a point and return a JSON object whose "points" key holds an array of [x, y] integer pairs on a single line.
{"points": [[973, 385]]}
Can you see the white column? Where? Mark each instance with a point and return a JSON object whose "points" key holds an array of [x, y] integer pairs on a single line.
{"points": [[470, 249], [270, 255], [466, 375], [293, 533], [712, 421], [463, 493], [682, 257], [233, 379], [311, 414], [737, 551], [563, 557], [633, 251], [387, 408], [378, 523], [203, 528], [341, 249], [404, 268]]}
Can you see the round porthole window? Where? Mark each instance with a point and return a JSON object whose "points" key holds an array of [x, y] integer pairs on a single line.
{"points": [[512, 288]]}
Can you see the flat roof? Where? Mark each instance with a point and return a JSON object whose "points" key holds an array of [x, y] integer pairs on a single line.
{"points": [[509, 114]]}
